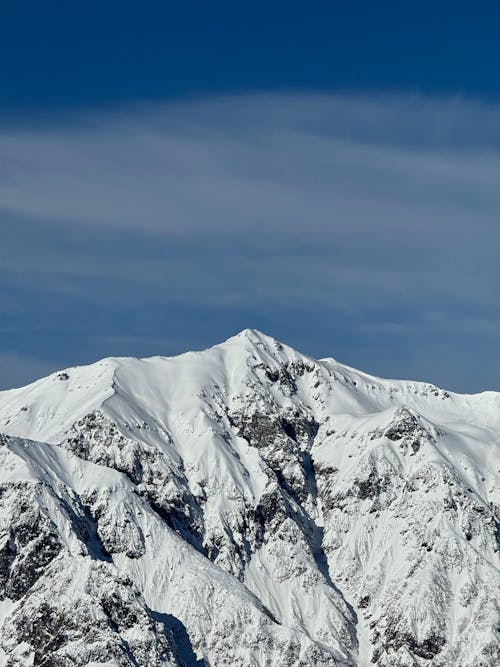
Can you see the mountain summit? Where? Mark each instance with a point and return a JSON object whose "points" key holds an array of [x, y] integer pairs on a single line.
{"points": [[250, 506]]}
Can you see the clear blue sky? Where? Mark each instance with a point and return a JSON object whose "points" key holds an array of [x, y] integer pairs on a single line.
{"points": [[328, 172], [95, 53]]}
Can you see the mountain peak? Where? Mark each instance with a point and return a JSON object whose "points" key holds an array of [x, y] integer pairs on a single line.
{"points": [[254, 337], [246, 505]]}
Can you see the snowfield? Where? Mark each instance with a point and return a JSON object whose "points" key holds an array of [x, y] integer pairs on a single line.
{"points": [[248, 506]]}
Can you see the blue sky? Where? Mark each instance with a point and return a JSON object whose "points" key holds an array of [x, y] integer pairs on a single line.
{"points": [[327, 172]]}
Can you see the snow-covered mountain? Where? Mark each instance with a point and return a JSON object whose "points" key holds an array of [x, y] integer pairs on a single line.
{"points": [[247, 505]]}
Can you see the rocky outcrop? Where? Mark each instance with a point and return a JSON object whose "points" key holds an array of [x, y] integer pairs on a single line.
{"points": [[107, 622], [247, 506]]}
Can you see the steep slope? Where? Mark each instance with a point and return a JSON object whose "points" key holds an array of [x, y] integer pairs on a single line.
{"points": [[249, 505]]}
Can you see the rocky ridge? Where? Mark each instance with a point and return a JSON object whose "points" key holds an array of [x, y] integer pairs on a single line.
{"points": [[247, 505]]}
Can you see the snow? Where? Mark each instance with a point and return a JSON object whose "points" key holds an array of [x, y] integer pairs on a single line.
{"points": [[282, 510]]}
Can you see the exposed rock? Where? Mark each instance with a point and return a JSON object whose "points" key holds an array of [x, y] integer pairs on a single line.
{"points": [[246, 506]]}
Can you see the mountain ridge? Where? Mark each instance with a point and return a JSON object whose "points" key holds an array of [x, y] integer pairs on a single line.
{"points": [[251, 335], [348, 519]]}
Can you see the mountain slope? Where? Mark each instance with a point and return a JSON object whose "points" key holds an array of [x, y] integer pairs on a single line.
{"points": [[248, 505]]}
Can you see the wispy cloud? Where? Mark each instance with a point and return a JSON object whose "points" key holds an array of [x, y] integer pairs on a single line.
{"points": [[294, 212]]}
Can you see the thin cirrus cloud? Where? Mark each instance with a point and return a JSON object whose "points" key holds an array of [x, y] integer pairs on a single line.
{"points": [[361, 227]]}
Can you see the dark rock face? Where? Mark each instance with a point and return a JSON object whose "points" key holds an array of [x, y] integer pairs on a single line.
{"points": [[269, 514], [406, 431], [30, 543], [108, 623], [95, 438], [270, 430], [426, 648], [115, 533], [286, 375], [284, 442], [405, 424], [371, 487]]}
